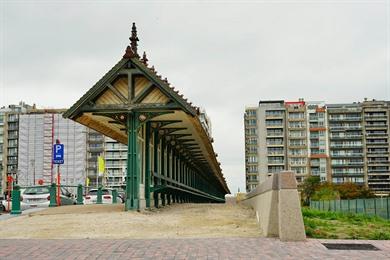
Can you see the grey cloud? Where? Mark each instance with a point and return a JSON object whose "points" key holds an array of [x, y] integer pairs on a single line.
{"points": [[222, 56]]}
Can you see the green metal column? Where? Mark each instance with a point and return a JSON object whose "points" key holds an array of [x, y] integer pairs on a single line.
{"points": [[79, 194], [132, 181], [53, 200], [169, 170], [173, 170], [163, 182], [147, 165], [114, 196], [155, 166], [99, 199], [15, 209]]}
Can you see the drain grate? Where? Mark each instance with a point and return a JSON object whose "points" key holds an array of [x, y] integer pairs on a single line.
{"points": [[344, 246]]}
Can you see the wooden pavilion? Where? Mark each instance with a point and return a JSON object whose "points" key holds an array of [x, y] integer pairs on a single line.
{"points": [[170, 154]]}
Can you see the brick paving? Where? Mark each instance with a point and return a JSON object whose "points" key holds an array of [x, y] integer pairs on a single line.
{"points": [[210, 248]]}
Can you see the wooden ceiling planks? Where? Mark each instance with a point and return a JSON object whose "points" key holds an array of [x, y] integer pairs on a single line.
{"points": [[155, 96], [121, 84]]}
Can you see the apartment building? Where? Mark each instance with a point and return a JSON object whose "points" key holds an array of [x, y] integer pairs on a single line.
{"points": [[26, 138], [297, 142], [38, 130], [9, 126], [2, 120], [376, 115], [337, 142], [94, 149], [346, 143], [116, 163], [318, 145], [251, 148]]}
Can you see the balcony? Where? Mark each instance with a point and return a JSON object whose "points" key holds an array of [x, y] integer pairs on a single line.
{"points": [[278, 134], [124, 148], [296, 126], [275, 144], [297, 163], [12, 118], [275, 153], [377, 143], [276, 162], [270, 126], [274, 115], [375, 117], [314, 145], [297, 136], [315, 163], [378, 170], [344, 155], [13, 128], [13, 136], [12, 162], [96, 140], [346, 174], [348, 164], [376, 126], [376, 162], [95, 149], [338, 119], [343, 137], [124, 156], [346, 127], [338, 146]]}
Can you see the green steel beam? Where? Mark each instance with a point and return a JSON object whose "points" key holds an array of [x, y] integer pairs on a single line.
{"points": [[162, 162], [155, 165]]}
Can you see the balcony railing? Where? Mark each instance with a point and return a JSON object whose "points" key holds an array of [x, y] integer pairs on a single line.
{"points": [[377, 143], [345, 145], [335, 155], [376, 125], [345, 118], [346, 136]]}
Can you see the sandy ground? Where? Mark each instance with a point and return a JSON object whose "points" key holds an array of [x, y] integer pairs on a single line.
{"points": [[110, 221]]}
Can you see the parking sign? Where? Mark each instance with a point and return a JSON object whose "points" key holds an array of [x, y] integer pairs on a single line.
{"points": [[58, 154]]}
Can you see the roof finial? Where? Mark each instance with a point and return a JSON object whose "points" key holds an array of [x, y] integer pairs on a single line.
{"points": [[133, 40], [144, 59]]}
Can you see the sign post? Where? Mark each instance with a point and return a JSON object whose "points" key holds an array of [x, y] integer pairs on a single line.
{"points": [[58, 158]]}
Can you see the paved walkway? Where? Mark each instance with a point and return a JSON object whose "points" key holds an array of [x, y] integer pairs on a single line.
{"points": [[210, 248]]}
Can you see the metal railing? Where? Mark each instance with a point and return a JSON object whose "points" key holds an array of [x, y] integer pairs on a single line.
{"points": [[54, 195], [374, 207]]}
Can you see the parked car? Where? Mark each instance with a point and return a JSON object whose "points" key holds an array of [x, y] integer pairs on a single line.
{"points": [[4, 202], [91, 197], [39, 197]]}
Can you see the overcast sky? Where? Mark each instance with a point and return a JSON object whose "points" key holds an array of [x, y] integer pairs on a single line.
{"points": [[222, 56]]}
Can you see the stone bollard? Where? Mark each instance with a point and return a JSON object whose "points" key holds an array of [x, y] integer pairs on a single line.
{"points": [[99, 196], [16, 201], [114, 196], [80, 194], [53, 195]]}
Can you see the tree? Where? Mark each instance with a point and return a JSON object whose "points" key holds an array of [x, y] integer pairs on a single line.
{"points": [[308, 187], [326, 191], [348, 190]]}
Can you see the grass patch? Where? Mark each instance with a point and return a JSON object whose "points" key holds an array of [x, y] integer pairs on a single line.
{"points": [[337, 225]]}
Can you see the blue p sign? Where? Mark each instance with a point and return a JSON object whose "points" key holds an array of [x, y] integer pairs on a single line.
{"points": [[58, 154]]}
